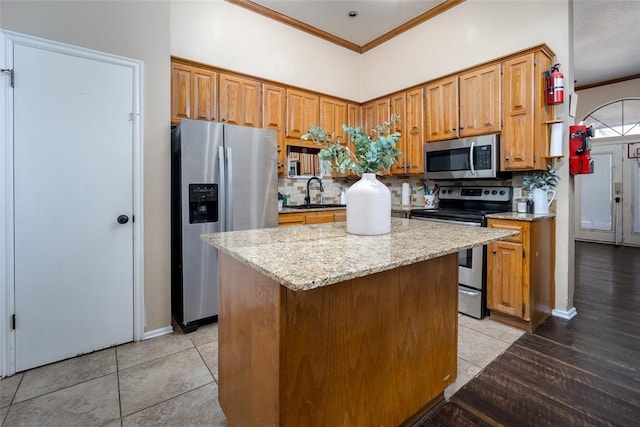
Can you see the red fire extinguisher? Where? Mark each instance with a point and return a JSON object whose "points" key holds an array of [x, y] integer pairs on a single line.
{"points": [[554, 83]]}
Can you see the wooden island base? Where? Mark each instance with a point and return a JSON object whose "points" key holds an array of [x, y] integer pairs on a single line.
{"points": [[375, 350]]}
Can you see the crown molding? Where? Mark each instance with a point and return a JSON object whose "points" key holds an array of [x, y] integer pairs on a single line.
{"points": [[269, 13]]}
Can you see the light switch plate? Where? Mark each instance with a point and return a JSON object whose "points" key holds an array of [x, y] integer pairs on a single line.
{"points": [[517, 192]]}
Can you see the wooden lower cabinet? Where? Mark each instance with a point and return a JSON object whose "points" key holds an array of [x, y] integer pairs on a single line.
{"points": [[315, 217], [373, 350], [520, 272]]}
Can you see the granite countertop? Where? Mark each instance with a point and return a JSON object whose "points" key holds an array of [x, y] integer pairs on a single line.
{"points": [[307, 257], [520, 216]]}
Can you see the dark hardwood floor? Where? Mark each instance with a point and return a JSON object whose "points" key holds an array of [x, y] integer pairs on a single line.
{"points": [[582, 372]]}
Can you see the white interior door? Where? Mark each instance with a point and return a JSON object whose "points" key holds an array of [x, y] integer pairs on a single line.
{"points": [[631, 197], [607, 200], [72, 179]]}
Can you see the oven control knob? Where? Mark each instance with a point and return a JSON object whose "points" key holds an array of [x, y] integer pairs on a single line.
{"points": [[494, 192], [486, 191], [502, 192]]}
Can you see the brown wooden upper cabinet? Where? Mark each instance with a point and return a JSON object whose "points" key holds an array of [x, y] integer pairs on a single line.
{"points": [[333, 114], [442, 109], [399, 108], [464, 105], [375, 113], [524, 112], [302, 111], [354, 115], [354, 120], [193, 93], [240, 101], [480, 101], [409, 105], [273, 117]]}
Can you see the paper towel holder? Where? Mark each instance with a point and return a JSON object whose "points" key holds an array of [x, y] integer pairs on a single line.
{"points": [[554, 146]]}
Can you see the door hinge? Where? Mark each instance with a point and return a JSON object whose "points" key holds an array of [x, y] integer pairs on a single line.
{"points": [[535, 62], [523, 309], [524, 253], [13, 321], [12, 78], [130, 117], [501, 69]]}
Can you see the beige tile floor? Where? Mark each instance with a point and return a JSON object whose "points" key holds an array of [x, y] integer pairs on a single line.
{"points": [[172, 381]]}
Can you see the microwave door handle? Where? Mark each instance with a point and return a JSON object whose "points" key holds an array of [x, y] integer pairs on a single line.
{"points": [[471, 165]]}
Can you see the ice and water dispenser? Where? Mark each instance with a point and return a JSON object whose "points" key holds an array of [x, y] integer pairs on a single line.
{"points": [[203, 203]]}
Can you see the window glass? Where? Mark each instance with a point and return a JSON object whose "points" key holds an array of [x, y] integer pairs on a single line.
{"points": [[618, 118]]}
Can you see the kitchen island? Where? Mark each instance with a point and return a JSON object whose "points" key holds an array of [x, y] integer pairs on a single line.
{"points": [[321, 327]]}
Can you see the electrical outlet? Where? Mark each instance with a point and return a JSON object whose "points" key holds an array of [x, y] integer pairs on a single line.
{"points": [[517, 192]]}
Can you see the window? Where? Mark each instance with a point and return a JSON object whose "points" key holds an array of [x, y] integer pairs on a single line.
{"points": [[617, 118]]}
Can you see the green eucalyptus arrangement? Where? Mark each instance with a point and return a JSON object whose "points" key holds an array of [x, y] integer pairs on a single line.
{"points": [[369, 155], [546, 179]]}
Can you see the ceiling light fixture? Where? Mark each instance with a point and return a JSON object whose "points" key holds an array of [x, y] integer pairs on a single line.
{"points": [[353, 14]]}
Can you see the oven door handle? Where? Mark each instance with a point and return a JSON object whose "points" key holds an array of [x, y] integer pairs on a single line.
{"points": [[471, 165]]}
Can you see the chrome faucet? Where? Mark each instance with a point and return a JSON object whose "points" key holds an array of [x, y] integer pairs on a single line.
{"points": [[307, 199]]}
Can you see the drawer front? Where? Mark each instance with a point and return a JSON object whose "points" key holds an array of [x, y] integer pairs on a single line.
{"points": [[510, 226], [340, 216], [319, 218], [470, 302], [291, 219]]}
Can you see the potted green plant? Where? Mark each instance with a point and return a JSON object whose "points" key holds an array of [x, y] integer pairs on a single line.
{"points": [[540, 185], [369, 155], [368, 200]]}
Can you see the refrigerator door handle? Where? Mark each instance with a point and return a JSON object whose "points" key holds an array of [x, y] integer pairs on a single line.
{"points": [[229, 191], [222, 190]]}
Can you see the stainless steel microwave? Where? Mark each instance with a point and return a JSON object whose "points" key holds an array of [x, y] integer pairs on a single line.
{"points": [[475, 157]]}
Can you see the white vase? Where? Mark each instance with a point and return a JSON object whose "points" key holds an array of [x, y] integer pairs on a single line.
{"points": [[368, 207], [541, 200]]}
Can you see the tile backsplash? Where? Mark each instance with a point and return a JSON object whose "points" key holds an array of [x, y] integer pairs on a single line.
{"points": [[296, 187]]}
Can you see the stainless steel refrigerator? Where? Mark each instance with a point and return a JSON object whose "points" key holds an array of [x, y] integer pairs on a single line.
{"points": [[223, 178]]}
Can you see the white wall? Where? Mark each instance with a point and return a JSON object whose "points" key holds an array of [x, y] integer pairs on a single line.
{"points": [[231, 37], [138, 30], [590, 99], [466, 35]]}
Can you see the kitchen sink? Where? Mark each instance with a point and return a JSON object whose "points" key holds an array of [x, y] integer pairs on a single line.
{"points": [[318, 206]]}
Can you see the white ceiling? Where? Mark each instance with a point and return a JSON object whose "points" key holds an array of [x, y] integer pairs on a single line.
{"points": [[606, 35], [606, 40], [375, 17]]}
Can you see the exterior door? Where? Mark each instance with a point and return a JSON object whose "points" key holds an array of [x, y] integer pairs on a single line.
{"points": [[73, 249], [607, 205]]}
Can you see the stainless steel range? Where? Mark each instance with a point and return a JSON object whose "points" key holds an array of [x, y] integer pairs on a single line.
{"points": [[469, 206]]}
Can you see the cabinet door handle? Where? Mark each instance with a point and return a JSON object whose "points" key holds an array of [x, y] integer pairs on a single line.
{"points": [[493, 251], [507, 158]]}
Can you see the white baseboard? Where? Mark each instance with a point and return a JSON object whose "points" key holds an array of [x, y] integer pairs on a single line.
{"points": [[569, 314], [157, 332]]}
